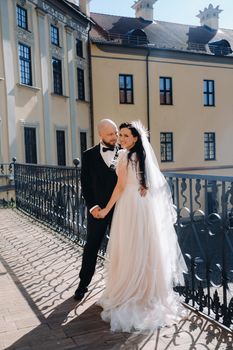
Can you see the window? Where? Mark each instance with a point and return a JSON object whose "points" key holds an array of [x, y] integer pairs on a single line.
{"points": [[165, 90], [208, 91], [54, 32], [81, 85], [83, 142], [25, 64], [209, 145], [61, 147], [57, 76], [126, 88], [22, 17], [166, 146], [79, 48], [30, 145]]}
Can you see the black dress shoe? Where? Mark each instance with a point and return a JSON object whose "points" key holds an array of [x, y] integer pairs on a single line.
{"points": [[79, 294]]}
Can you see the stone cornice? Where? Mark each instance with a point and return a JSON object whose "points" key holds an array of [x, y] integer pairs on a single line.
{"points": [[43, 7]]}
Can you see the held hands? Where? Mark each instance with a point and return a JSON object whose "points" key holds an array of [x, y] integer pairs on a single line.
{"points": [[95, 212], [102, 213], [99, 213]]}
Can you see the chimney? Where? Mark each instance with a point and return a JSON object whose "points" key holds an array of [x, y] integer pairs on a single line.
{"points": [[144, 9], [84, 7], [210, 17]]}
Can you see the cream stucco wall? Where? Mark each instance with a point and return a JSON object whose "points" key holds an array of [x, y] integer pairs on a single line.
{"points": [[37, 106], [105, 80], [187, 118], [3, 121]]}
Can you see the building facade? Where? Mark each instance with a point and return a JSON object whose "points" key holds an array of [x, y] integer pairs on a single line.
{"points": [[177, 79], [44, 81]]}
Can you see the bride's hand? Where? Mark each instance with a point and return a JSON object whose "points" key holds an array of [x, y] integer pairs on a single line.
{"points": [[102, 213]]}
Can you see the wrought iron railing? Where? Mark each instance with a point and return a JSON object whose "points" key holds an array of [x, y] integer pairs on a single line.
{"points": [[204, 226], [142, 41], [205, 232], [6, 183]]}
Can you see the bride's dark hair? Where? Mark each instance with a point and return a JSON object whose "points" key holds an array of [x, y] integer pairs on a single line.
{"points": [[139, 150]]}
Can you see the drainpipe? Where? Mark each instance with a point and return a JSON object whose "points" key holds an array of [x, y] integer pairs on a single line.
{"points": [[148, 89], [91, 88]]}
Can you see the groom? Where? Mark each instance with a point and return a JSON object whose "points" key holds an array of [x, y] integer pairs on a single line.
{"points": [[98, 180]]}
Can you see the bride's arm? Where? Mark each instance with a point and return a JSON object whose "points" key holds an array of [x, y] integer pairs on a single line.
{"points": [[119, 188]]}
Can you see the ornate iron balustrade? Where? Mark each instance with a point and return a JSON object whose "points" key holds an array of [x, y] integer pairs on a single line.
{"points": [[205, 232], [6, 183], [204, 226]]}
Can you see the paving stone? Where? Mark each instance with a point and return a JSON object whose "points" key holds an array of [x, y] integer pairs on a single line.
{"points": [[38, 276]]}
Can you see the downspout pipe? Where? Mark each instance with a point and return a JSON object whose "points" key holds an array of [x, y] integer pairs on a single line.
{"points": [[148, 89], [91, 87]]}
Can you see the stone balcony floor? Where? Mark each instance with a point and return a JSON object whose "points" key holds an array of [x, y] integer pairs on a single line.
{"points": [[38, 276]]}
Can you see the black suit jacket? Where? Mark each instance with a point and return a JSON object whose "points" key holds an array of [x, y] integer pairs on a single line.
{"points": [[97, 179]]}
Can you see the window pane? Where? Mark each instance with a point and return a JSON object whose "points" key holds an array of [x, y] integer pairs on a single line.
{"points": [[163, 152], [168, 137], [168, 84], [129, 96], [211, 86], [126, 88], [57, 76], [61, 149], [54, 31], [30, 145], [211, 100], [206, 100], [162, 137], [122, 81], [205, 86], [161, 83], [25, 64], [81, 85], [122, 96], [162, 98], [21, 17], [79, 48], [168, 98], [128, 82]]}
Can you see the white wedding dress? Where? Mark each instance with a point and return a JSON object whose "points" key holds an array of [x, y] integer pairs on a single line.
{"points": [[143, 262]]}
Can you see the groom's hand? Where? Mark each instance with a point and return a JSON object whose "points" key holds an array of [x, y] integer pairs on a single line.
{"points": [[102, 213], [95, 212]]}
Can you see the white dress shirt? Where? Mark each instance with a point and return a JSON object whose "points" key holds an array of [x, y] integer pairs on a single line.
{"points": [[107, 156]]}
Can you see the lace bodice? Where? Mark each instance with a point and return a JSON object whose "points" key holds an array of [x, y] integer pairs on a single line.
{"points": [[133, 174]]}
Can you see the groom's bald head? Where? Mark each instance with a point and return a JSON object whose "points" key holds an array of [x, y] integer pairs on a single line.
{"points": [[108, 131]]}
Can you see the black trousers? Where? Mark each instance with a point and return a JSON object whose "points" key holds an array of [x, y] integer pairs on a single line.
{"points": [[96, 229]]}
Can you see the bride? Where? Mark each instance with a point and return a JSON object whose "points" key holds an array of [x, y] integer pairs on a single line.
{"points": [[145, 260]]}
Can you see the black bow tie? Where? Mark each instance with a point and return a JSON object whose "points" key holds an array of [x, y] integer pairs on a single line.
{"points": [[105, 149]]}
